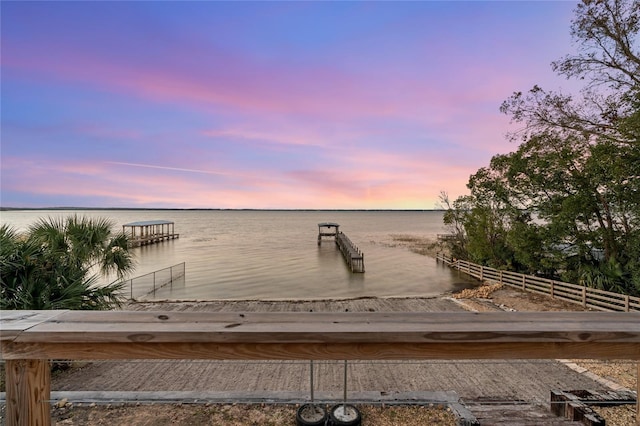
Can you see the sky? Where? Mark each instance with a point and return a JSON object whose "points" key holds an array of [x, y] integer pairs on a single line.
{"points": [[265, 105]]}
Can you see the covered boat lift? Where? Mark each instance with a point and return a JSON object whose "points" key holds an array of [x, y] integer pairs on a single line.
{"points": [[327, 229], [149, 232]]}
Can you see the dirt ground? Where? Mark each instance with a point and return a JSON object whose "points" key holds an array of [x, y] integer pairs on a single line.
{"points": [[239, 415]]}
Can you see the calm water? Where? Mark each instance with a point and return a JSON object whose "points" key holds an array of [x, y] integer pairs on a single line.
{"points": [[274, 254]]}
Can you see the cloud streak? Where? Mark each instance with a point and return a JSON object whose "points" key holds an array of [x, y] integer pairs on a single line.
{"points": [[176, 169]]}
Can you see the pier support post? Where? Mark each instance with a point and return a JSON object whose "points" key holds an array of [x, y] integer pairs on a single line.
{"points": [[28, 392]]}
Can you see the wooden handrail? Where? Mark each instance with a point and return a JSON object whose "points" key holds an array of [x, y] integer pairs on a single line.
{"points": [[28, 339]]}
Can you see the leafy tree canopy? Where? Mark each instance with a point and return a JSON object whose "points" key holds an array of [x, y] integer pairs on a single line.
{"points": [[566, 203], [57, 264]]}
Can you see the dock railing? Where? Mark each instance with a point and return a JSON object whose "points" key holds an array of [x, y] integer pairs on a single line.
{"points": [[351, 252], [29, 339], [587, 297]]}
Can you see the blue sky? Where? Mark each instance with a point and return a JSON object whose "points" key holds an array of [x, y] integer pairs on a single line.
{"points": [[352, 105]]}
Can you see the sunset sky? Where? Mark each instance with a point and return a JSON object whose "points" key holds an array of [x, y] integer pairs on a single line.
{"points": [[337, 105]]}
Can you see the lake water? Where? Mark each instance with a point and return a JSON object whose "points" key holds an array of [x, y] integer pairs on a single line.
{"points": [[274, 254]]}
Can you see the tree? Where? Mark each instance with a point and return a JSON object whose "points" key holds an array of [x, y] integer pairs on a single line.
{"points": [[57, 265], [567, 202], [453, 218], [609, 62]]}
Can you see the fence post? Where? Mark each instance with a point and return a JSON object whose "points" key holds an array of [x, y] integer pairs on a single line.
{"points": [[500, 276], [28, 384], [584, 296], [552, 296], [481, 273], [524, 282], [626, 309]]}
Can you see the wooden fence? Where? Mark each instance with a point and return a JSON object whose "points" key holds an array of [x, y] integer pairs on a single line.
{"points": [[29, 339], [586, 296]]}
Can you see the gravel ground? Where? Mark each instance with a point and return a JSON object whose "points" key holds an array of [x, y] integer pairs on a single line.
{"points": [[238, 415], [623, 415]]}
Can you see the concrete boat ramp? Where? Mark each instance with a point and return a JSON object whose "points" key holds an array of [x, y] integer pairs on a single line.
{"points": [[514, 392]]}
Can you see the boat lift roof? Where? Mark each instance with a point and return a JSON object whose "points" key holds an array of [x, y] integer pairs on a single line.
{"points": [[149, 223]]}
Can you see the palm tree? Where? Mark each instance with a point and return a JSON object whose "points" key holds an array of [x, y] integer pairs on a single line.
{"points": [[58, 262]]}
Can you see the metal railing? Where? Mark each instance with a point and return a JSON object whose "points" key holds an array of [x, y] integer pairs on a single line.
{"points": [[148, 284], [586, 296]]}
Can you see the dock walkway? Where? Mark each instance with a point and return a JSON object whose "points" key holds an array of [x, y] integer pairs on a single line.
{"points": [[351, 253]]}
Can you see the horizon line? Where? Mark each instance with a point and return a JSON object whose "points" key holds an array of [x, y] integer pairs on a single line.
{"points": [[207, 209]]}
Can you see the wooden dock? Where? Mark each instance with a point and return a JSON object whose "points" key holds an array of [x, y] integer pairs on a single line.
{"points": [[351, 253], [149, 232]]}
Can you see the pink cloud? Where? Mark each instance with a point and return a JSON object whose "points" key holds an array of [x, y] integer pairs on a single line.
{"points": [[295, 137], [133, 186], [246, 84]]}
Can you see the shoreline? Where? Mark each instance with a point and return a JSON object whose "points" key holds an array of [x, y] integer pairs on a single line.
{"points": [[287, 300]]}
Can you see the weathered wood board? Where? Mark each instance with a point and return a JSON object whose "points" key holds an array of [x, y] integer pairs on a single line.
{"points": [[304, 335]]}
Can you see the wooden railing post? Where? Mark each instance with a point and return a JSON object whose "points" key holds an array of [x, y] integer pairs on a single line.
{"points": [[584, 296], [28, 384]]}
